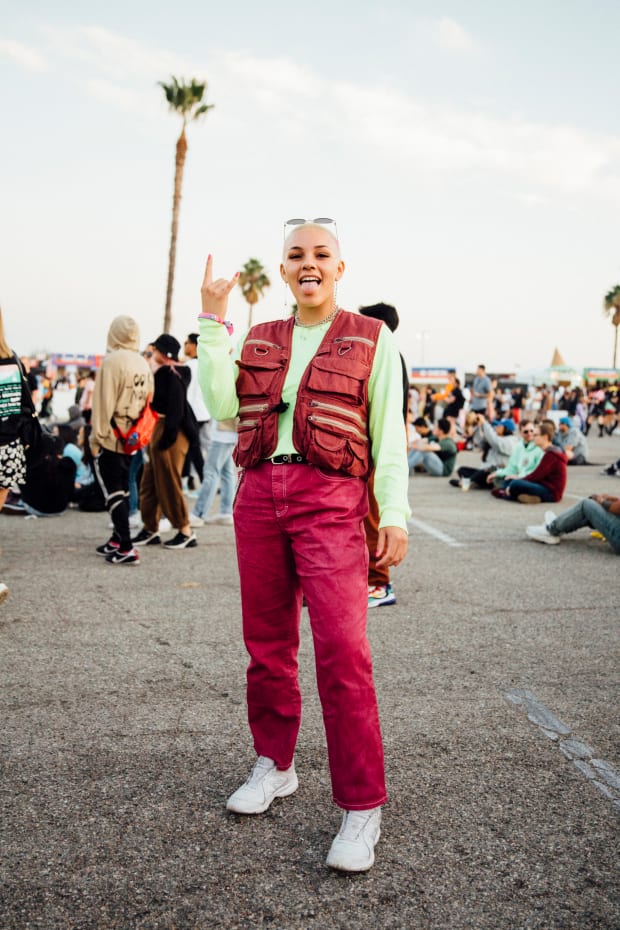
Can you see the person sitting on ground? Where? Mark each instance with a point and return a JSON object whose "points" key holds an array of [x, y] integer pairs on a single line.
{"points": [[437, 456], [601, 512], [70, 430], [572, 442], [524, 457], [547, 481], [612, 470], [497, 442], [50, 480]]}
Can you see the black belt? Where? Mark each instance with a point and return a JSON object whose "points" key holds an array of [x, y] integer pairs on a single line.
{"points": [[293, 459]]}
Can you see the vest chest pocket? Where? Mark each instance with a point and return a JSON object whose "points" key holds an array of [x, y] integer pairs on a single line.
{"points": [[257, 377], [344, 377]]}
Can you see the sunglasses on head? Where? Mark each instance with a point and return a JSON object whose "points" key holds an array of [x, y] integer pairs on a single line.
{"points": [[319, 220], [322, 220]]}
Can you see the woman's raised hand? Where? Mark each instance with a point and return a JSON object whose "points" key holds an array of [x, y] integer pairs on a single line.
{"points": [[214, 294]]}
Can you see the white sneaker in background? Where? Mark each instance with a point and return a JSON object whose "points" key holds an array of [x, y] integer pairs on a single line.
{"points": [[549, 518], [542, 534], [164, 525], [195, 520], [223, 519]]}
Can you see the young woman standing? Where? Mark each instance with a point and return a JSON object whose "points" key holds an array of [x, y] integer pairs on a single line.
{"points": [[319, 401]]}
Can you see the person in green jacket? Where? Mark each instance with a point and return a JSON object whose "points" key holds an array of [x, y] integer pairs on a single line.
{"points": [[332, 380], [523, 459]]}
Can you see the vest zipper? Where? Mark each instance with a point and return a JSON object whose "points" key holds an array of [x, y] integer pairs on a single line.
{"points": [[262, 342], [252, 408], [335, 409], [338, 423], [363, 339]]}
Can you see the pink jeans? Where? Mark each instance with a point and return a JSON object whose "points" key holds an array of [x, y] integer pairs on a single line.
{"points": [[300, 530]]}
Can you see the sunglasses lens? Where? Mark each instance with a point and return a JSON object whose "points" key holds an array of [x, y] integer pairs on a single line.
{"points": [[323, 219], [297, 221]]}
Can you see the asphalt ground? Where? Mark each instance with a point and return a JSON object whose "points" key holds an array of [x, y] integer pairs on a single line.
{"points": [[124, 731]]}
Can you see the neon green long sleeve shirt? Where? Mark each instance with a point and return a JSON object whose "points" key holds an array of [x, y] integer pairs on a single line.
{"points": [[217, 374]]}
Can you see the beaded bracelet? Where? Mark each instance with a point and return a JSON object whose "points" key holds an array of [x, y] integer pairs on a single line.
{"points": [[218, 319]]}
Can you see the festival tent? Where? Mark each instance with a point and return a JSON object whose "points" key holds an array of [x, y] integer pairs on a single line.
{"points": [[558, 372]]}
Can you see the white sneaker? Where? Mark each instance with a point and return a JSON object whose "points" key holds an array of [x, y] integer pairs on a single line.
{"points": [[353, 849], [164, 525], [265, 783], [135, 521], [224, 519], [549, 518], [195, 520], [542, 534], [4, 592]]}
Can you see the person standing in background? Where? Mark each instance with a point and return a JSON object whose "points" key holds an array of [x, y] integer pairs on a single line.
{"points": [[122, 389], [197, 453], [481, 391], [380, 588]]}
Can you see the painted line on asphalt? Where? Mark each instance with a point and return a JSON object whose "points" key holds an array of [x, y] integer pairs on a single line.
{"points": [[598, 772], [442, 537]]}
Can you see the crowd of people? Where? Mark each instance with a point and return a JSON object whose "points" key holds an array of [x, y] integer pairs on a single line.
{"points": [[525, 448], [313, 417]]}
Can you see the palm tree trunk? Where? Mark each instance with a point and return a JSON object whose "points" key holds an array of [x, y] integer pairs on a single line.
{"points": [[615, 345], [181, 152]]}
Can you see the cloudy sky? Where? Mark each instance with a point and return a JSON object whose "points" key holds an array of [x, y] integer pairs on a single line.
{"points": [[469, 151]]}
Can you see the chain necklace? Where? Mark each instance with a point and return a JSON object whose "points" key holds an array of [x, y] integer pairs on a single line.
{"points": [[326, 319]]}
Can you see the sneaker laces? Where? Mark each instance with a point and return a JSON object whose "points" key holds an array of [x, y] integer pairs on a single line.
{"points": [[262, 766], [353, 823]]}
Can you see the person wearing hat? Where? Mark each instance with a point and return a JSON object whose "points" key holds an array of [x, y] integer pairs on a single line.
{"points": [[161, 489], [497, 442], [572, 442]]}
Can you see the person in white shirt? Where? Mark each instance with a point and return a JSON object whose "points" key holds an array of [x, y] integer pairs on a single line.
{"points": [[197, 453]]}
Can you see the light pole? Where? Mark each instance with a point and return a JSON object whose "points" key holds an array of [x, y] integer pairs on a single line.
{"points": [[422, 337]]}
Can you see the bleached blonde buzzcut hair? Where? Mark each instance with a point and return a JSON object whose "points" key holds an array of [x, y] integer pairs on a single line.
{"points": [[324, 227]]}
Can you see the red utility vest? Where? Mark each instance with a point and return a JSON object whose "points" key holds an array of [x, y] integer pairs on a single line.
{"points": [[330, 425]]}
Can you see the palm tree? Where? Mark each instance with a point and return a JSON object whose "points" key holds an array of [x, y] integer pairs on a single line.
{"points": [[611, 309], [253, 281], [184, 99]]}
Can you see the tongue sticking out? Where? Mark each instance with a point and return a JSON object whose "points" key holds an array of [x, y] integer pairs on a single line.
{"points": [[309, 286]]}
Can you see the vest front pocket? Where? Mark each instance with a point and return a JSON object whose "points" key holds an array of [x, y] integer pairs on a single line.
{"points": [[247, 452], [336, 445], [257, 378], [342, 378]]}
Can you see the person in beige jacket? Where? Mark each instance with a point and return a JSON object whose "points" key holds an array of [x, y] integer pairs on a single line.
{"points": [[122, 388]]}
